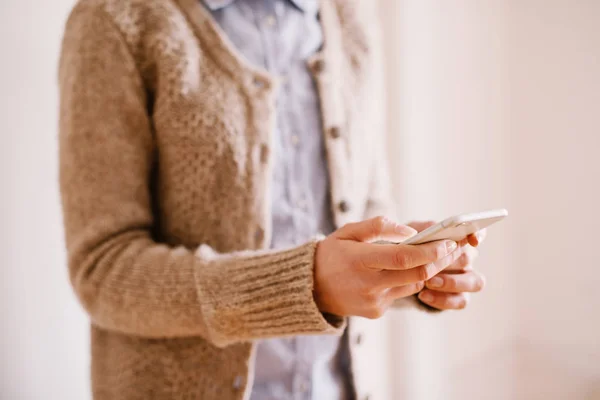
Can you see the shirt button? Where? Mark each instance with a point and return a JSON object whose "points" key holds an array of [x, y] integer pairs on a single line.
{"points": [[358, 339], [295, 140], [238, 382], [270, 21], [334, 132], [259, 83], [259, 235], [319, 66], [303, 387], [343, 206], [264, 153]]}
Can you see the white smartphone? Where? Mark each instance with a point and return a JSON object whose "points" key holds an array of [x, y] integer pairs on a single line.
{"points": [[458, 227]]}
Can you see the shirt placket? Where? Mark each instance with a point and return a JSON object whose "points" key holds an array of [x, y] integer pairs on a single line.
{"points": [[268, 24]]}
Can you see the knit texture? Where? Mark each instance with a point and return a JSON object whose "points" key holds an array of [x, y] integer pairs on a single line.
{"points": [[165, 164]]}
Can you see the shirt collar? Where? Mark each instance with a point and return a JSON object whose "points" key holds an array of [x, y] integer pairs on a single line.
{"points": [[215, 5]]}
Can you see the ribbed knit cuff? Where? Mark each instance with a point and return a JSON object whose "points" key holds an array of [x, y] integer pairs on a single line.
{"points": [[246, 296]]}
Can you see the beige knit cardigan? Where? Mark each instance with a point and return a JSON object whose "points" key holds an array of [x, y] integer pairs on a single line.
{"points": [[165, 169]]}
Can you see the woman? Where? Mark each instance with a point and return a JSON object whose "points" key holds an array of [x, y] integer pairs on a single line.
{"points": [[203, 147]]}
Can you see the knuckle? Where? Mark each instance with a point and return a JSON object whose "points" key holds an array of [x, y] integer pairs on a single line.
{"points": [[450, 283], [423, 272], [443, 303], [413, 289], [402, 259], [378, 224], [375, 312], [462, 302], [440, 303], [368, 262]]}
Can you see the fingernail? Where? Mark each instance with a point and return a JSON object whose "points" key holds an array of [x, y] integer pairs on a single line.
{"points": [[432, 269], [451, 246], [435, 282], [405, 230], [426, 297]]}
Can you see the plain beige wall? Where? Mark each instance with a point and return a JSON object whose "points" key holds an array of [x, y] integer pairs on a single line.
{"points": [[555, 134], [504, 96]]}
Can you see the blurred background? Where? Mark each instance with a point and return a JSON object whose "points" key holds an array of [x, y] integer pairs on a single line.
{"points": [[491, 104]]}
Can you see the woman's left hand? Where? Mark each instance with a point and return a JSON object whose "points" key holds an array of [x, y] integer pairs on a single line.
{"points": [[450, 289]]}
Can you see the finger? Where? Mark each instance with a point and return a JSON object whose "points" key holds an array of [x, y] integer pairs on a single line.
{"points": [[470, 281], [394, 257], [393, 278], [444, 301], [421, 225], [374, 229], [477, 238], [404, 291], [464, 262]]}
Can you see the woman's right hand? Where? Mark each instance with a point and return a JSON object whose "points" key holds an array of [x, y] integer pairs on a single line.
{"points": [[356, 277]]}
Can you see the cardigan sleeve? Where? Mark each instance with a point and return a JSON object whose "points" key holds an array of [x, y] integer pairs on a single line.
{"points": [[127, 281]]}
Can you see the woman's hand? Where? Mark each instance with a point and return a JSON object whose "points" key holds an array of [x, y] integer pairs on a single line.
{"points": [[354, 276], [450, 289]]}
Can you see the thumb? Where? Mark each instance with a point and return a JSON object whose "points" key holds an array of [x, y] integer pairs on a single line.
{"points": [[375, 229]]}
